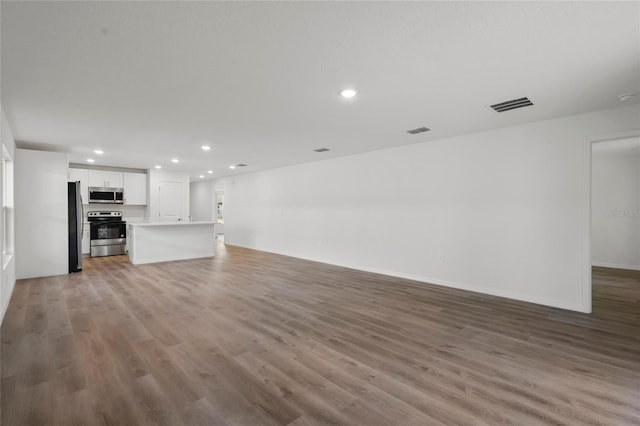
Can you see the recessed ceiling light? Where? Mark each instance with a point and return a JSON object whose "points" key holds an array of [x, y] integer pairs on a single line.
{"points": [[201, 176], [206, 147], [90, 160], [175, 160], [348, 93], [627, 97], [232, 166], [158, 167], [209, 171], [99, 151]]}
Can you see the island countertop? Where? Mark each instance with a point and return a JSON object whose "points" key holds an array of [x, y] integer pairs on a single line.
{"points": [[136, 224]]}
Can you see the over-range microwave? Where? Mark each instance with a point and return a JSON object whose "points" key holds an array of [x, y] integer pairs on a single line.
{"points": [[105, 195]]}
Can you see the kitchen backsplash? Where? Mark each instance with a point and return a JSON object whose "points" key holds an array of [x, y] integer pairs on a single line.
{"points": [[127, 211]]}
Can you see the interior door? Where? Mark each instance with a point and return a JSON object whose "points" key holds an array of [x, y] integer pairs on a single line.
{"points": [[170, 202]]}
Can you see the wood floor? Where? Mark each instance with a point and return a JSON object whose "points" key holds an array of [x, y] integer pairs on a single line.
{"points": [[251, 338]]}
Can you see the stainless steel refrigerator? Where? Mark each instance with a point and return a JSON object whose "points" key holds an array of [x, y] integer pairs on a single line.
{"points": [[76, 222]]}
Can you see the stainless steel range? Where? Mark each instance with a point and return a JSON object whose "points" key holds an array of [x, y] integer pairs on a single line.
{"points": [[108, 233]]}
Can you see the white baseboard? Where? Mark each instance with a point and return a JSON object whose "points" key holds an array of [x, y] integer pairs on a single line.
{"points": [[616, 266], [5, 305], [435, 281]]}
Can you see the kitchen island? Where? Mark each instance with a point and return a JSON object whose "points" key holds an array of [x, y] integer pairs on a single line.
{"points": [[151, 242]]}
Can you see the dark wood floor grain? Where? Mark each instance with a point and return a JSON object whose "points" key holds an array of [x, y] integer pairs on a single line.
{"points": [[252, 338]]}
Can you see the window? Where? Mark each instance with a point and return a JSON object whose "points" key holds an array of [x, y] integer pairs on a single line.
{"points": [[7, 206]]}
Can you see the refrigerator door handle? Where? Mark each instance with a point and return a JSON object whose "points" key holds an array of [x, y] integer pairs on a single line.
{"points": [[82, 217]]}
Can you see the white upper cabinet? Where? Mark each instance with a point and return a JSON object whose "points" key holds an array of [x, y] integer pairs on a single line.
{"points": [[135, 185], [135, 188], [81, 175], [105, 179]]}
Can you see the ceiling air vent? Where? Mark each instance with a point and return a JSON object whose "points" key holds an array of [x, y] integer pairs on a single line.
{"points": [[321, 150], [241, 165], [512, 104], [418, 130]]}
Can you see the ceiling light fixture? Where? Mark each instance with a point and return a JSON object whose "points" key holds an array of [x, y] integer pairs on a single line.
{"points": [[627, 97], [209, 171], [206, 147], [348, 93], [158, 167], [232, 166], [90, 160], [99, 151], [201, 176], [175, 160]]}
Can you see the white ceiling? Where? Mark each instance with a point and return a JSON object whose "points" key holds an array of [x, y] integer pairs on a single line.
{"points": [[260, 81]]}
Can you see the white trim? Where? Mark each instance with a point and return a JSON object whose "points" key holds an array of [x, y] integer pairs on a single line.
{"points": [[586, 230], [11, 285], [436, 281], [616, 266], [6, 260], [586, 220], [8, 300]]}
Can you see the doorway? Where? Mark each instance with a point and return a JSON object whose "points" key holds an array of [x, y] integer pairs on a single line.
{"points": [[614, 228], [615, 204], [219, 216], [219, 212]]}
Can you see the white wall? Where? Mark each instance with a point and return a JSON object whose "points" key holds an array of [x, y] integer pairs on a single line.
{"points": [[616, 210], [157, 176], [42, 244], [203, 200], [499, 212], [8, 264]]}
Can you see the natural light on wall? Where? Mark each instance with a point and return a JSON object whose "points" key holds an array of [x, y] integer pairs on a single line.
{"points": [[7, 206]]}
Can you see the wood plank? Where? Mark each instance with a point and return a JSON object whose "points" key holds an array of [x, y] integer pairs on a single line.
{"points": [[252, 338]]}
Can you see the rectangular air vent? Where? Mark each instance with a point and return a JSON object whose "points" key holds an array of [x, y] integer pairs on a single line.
{"points": [[512, 104], [321, 150], [418, 130]]}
